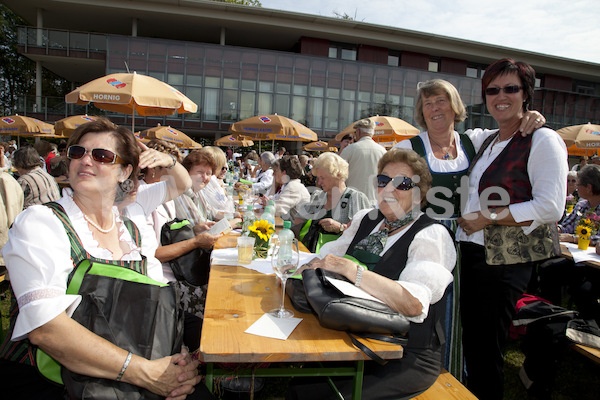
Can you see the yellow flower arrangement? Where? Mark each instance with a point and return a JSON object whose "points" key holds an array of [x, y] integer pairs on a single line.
{"points": [[583, 231], [588, 225], [261, 230]]}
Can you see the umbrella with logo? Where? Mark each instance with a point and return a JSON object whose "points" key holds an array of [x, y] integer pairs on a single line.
{"points": [[67, 125], [234, 141], [170, 135], [18, 125], [273, 127], [132, 93], [319, 146], [584, 137], [387, 129]]}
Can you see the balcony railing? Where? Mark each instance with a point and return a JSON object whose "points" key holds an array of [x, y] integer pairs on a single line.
{"points": [[55, 39]]}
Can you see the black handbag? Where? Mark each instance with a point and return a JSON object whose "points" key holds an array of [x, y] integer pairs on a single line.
{"points": [[192, 267], [361, 317]]}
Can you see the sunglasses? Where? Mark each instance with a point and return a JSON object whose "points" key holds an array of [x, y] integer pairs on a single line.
{"points": [[573, 180], [400, 182], [492, 91], [102, 156]]}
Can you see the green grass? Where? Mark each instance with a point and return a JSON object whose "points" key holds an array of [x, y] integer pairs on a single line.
{"points": [[578, 378]]}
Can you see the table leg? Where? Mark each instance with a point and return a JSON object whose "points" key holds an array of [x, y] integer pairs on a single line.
{"points": [[358, 380], [209, 376]]}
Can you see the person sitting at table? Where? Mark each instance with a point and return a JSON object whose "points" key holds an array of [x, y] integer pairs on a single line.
{"points": [[201, 165], [38, 185], [588, 188], [291, 192], [410, 258], [335, 204], [103, 161], [192, 297], [214, 192], [264, 177]]}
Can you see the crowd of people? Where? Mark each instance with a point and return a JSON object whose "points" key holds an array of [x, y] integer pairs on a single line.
{"points": [[441, 254]]}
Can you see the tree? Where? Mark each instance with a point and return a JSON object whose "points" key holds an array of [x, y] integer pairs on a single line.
{"points": [[17, 73]]}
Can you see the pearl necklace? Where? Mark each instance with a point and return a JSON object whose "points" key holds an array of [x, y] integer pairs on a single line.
{"points": [[95, 225]]}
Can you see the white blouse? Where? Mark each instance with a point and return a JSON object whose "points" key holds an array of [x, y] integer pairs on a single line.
{"points": [[38, 259], [431, 259]]}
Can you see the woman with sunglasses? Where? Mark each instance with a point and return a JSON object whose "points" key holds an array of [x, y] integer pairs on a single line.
{"points": [[408, 260], [103, 161], [508, 223], [449, 154], [214, 192]]}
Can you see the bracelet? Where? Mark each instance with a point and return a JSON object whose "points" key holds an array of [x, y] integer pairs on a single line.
{"points": [[359, 271], [125, 365], [174, 161], [342, 227]]}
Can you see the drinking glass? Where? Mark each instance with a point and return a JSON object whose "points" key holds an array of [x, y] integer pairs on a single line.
{"points": [[285, 263], [245, 247]]}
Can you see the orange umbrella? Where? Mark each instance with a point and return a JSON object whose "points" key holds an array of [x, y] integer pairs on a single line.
{"points": [[234, 140], [273, 127], [67, 125], [171, 135], [132, 93], [319, 146], [386, 129]]}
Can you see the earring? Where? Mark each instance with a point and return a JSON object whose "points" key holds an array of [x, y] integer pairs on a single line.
{"points": [[126, 186]]}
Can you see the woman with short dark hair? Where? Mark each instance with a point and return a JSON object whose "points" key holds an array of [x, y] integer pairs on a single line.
{"points": [[508, 222]]}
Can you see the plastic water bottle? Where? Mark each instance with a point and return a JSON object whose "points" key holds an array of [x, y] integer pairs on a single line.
{"points": [[248, 219], [229, 190], [286, 237], [267, 215]]}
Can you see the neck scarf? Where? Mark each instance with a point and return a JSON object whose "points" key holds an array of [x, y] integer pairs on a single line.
{"points": [[375, 242]]}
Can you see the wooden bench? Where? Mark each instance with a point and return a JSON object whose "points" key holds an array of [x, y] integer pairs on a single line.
{"points": [[446, 387], [590, 352]]}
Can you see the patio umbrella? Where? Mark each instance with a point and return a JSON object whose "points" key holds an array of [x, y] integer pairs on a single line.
{"points": [[18, 125], [585, 136], [273, 127], [333, 143], [171, 135], [67, 125], [234, 140], [132, 93], [386, 129], [319, 146]]}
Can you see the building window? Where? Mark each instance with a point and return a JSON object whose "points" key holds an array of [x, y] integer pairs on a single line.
{"points": [[394, 58], [343, 51], [472, 72], [333, 52], [434, 66], [349, 54]]}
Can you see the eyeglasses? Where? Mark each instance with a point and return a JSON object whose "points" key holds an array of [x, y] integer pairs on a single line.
{"points": [[400, 182], [492, 91], [102, 156]]}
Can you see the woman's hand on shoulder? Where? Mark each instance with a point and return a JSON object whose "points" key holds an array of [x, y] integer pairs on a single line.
{"points": [[531, 121]]}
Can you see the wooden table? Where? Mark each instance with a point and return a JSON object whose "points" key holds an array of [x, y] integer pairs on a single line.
{"points": [[567, 254], [237, 297]]}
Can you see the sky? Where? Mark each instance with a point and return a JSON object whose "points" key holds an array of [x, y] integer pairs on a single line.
{"points": [[563, 28]]}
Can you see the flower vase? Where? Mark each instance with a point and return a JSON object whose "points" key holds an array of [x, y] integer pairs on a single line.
{"points": [[583, 243], [261, 249]]}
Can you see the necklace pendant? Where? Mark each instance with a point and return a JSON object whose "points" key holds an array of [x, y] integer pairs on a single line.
{"points": [[447, 156]]}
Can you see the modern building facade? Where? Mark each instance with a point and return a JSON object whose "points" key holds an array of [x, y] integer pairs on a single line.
{"points": [[237, 61]]}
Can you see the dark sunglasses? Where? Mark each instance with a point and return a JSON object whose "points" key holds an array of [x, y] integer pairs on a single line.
{"points": [[492, 91], [400, 182], [102, 156]]}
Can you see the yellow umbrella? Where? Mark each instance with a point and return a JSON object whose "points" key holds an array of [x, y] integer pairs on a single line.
{"points": [[386, 129], [67, 125], [273, 127], [18, 125], [585, 136], [171, 135], [132, 93], [234, 140], [319, 146]]}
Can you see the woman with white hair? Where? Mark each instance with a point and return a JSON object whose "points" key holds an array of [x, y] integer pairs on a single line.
{"points": [[335, 204], [264, 177]]}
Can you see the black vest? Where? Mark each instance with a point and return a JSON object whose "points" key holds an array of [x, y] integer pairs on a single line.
{"points": [[429, 333]]}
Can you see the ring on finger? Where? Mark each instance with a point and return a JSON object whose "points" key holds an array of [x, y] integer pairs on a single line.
{"points": [[538, 120]]}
